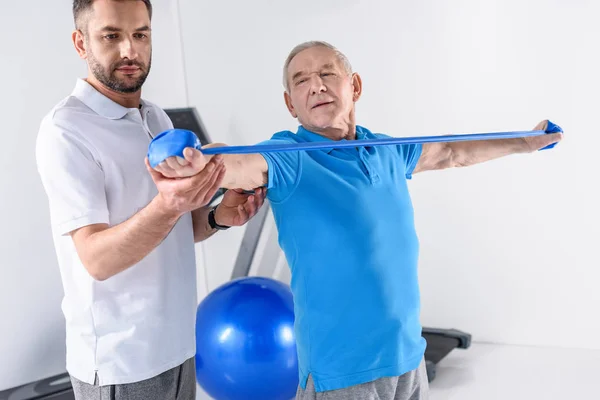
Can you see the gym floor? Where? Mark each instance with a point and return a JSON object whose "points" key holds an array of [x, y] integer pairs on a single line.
{"points": [[494, 372]]}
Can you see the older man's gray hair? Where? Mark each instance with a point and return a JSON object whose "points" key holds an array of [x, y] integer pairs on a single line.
{"points": [[307, 45]]}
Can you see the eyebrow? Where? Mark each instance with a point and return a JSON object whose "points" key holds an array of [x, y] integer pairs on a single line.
{"points": [[297, 75], [324, 66], [110, 28]]}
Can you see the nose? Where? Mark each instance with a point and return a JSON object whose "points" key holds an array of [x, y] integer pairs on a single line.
{"points": [[317, 86], [127, 49]]}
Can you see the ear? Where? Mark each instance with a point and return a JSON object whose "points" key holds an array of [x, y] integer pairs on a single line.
{"points": [[79, 43], [356, 86], [289, 105]]}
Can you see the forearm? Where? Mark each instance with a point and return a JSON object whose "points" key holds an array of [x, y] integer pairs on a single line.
{"points": [[243, 171], [443, 155], [110, 251], [202, 229], [464, 154]]}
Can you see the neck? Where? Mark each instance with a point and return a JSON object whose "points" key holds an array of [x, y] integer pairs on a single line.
{"points": [[129, 100], [341, 128], [347, 132]]}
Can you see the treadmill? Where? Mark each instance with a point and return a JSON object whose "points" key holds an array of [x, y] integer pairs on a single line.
{"points": [[54, 388]]}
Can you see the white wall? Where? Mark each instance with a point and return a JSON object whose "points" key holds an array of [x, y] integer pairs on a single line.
{"points": [[507, 247], [38, 68]]}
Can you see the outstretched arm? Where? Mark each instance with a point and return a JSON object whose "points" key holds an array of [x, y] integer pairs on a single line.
{"points": [[437, 156]]}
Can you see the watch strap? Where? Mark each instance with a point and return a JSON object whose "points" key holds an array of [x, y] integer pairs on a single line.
{"points": [[212, 222]]}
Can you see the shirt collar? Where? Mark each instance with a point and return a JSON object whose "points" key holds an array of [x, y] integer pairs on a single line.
{"points": [[98, 102], [310, 136]]}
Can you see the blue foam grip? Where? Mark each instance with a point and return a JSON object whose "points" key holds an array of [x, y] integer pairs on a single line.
{"points": [[171, 143], [552, 128]]}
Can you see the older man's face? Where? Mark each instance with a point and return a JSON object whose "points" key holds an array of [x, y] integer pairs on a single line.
{"points": [[321, 93]]}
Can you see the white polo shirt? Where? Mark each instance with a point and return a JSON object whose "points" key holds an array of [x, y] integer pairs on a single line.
{"points": [[141, 322]]}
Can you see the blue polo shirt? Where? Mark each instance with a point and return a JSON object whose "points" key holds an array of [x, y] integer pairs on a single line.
{"points": [[345, 223]]}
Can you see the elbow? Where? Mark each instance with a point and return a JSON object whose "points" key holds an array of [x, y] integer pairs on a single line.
{"points": [[95, 271], [455, 158], [446, 156], [97, 274]]}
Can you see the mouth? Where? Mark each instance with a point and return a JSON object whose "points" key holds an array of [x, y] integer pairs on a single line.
{"points": [[128, 69], [321, 104]]}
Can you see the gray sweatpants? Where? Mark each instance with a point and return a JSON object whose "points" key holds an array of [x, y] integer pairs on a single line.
{"points": [[411, 386], [178, 383]]}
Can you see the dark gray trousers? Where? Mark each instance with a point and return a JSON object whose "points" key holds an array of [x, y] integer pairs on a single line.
{"points": [[178, 383]]}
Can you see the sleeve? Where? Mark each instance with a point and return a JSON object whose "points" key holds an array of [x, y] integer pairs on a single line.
{"points": [[283, 170], [409, 154], [72, 179]]}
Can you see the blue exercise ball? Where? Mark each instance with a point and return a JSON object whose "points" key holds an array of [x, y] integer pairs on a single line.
{"points": [[245, 343]]}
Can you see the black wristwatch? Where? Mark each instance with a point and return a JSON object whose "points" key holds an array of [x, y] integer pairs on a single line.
{"points": [[211, 220]]}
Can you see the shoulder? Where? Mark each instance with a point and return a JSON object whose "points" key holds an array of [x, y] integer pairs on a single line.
{"points": [[368, 134], [60, 131], [63, 118], [282, 137], [287, 136], [68, 114]]}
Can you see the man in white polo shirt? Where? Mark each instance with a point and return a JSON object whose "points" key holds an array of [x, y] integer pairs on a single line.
{"points": [[124, 234]]}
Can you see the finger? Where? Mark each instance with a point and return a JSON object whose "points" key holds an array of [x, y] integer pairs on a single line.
{"points": [[233, 197], [215, 184], [166, 170], [196, 158], [204, 177], [177, 170], [242, 215], [174, 164], [181, 160], [203, 188], [159, 169], [250, 206], [554, 137], [261, 193], [155, 175], [547, 139], [260, 198], [542, 126]]}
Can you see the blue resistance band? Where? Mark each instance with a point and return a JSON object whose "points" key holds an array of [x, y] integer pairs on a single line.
{"points": [[174, 141]]}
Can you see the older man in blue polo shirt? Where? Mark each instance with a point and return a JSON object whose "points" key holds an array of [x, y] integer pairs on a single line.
{"points": [[345, 223]]}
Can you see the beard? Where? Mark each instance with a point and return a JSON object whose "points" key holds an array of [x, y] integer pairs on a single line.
{"points": [[108, 77]]}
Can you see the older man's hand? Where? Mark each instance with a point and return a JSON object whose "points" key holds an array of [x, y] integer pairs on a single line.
{"points": [[177, 167], [534, 143]]}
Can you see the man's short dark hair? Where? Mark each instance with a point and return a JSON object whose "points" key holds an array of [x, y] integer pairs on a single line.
{"points": [[82, 6]]}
